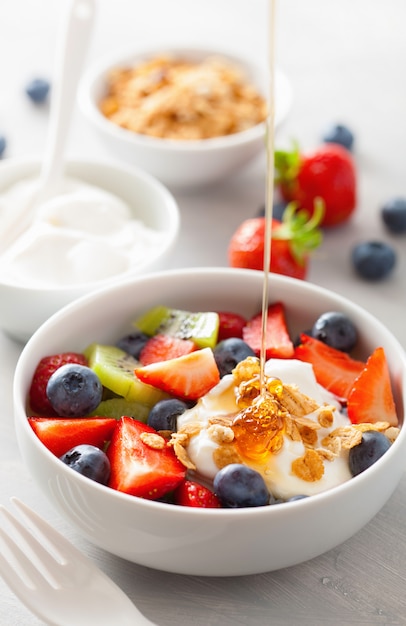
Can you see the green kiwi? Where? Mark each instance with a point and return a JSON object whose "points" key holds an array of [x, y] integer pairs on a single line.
{"points": [[202, 328], [115, 368], [117, 407]]}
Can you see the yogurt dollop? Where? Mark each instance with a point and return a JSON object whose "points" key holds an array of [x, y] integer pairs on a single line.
{"points": [[276, 469], [83, 234]]}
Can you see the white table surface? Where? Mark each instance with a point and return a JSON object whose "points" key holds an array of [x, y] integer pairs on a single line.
{"points": [[347, 62]]}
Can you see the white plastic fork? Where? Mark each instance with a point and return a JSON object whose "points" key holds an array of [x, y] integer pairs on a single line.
{"points": [[55, 580]]}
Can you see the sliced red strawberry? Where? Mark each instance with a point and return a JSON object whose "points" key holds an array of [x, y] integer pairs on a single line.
{"points": [[60, 434], [334, 370], [46, 367], [142, 462], [230, 325], [187, 377], [190, 493], [277, 340], [370, 399], [163, 347]]}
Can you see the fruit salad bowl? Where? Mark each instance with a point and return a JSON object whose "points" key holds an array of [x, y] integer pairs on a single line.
{"points": [[184, 161], [187, 539], [40, 279]]}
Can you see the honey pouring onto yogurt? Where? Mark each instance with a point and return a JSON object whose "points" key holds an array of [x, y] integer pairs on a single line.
{"points": [[259, 426]]}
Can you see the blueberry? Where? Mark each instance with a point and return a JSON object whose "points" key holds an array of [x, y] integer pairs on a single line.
{"points": [[37, 90], [338, 133], [394, 215], [133, 343], [336, 330], [229, 352], [3, 145], [278, 209], [88, 461], [373, 445], [164, 414], [74, 390], [298, 497], [373, 260], [237, 486]]}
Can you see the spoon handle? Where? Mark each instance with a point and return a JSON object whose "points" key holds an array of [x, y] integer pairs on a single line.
{"points": [[69, 63]]}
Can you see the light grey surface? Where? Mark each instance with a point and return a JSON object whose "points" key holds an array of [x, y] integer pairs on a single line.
{"points": [[347, 62]]}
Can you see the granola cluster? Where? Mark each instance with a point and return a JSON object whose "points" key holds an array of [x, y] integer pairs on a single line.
{"points": [[174, 98], [282, 411]]}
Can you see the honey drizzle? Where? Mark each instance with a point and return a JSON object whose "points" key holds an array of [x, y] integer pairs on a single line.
{"points": [[270, 132], [259, 426]]}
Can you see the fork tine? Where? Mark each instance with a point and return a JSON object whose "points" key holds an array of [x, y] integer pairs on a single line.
{"points": [[19, 572], [64, 548], [40, 553]]}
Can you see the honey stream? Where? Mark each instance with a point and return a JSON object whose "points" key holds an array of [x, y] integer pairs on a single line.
{"points": [[259, 426]]}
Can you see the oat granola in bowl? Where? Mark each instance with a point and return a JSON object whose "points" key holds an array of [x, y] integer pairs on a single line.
{"points": [[190, 116]]}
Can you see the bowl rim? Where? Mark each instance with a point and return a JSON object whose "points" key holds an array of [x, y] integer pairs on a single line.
{"points": [[168, 200], [350, 485], [96, 72]]}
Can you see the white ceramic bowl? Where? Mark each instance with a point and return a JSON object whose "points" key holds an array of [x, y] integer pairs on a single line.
{"points": [[24, 309], [219, 542], [180, 163]]}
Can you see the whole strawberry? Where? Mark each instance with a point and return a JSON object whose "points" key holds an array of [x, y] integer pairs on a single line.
{"points": [[293, 239], [46, 367], [328, 173]]}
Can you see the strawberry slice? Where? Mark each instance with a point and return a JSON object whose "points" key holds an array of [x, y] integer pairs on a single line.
{"points": [[334, 370], [277, 341], [371, 399], [230, 325], [188, 377], [142, 462], [60, 434], [190, 493], [46, 367], [163, 347]]}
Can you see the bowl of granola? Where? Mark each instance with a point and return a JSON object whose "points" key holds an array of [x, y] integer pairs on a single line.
{"points": [[166, 466], [189, 116]]}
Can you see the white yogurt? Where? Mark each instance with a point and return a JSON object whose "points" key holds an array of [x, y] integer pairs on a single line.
{"points": [[277, 471], [81, 235]]}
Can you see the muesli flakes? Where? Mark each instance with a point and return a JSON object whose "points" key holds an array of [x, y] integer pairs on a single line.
{"points": [[225, 455], [153, 440], [309, 467]]}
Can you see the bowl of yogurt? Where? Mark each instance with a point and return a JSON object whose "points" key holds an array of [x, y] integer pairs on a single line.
{"points": [[102, 223], [159, 529]]}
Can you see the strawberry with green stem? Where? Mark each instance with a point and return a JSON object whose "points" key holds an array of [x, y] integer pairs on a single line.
{"points": [[328, 172], [293, 240]]}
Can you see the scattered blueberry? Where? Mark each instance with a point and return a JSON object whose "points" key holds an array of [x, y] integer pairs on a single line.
{"points": [[229, 352], [394, 215], [38, 90], [74, 390], [336, 330], [338, 133], [164, 414], [133, 343], [373, 260], [278, 209], [237, 486], [3, 145], [88, 461], [373, 445]]}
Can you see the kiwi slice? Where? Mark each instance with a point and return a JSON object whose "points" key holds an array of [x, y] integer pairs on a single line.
{"points": [[117, 407], [202, 328], [115, 368]]}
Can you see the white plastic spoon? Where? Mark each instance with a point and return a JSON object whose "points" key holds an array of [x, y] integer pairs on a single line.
{"points": [[68, 69]]}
